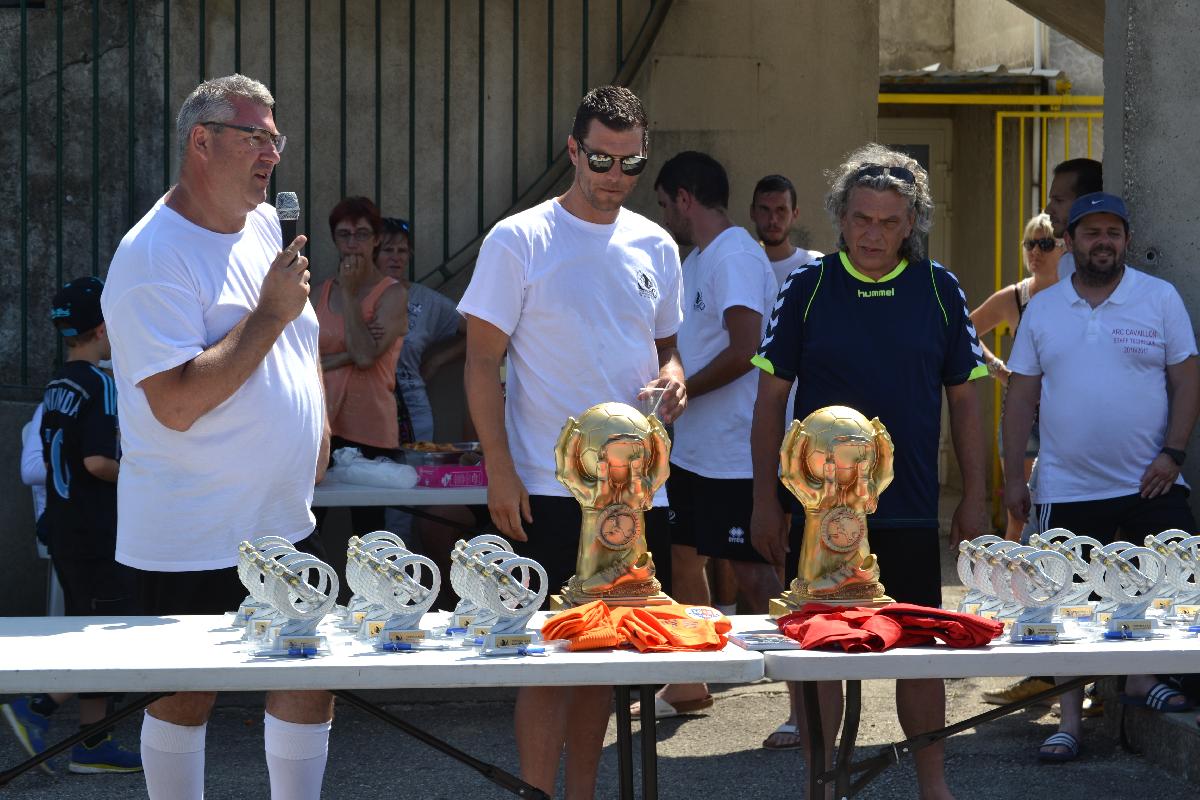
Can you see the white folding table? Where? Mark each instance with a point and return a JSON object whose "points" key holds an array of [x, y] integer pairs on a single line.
{"points": [[159, 655], [333, 491], [998, 659]]}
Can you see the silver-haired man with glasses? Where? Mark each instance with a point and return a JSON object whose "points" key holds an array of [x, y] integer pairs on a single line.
{"points": [[879, 327], [215, 352]]}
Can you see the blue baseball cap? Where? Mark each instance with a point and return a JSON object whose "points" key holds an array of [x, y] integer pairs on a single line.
{"points": [[1098, 203], [76, 307]]}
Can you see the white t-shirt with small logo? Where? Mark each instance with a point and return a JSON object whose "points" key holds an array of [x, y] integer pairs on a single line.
{"points": [[799, 258], [245, 469], [1104, 399], [582, 304], [712, 438]]}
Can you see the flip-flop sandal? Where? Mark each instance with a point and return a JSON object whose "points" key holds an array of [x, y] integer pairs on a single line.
{"points": [[1159, 699], [1060, 739], [786, 729], [665, 710]]}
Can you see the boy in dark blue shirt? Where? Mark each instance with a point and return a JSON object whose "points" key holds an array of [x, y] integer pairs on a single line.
{"points": [[81, 446]]}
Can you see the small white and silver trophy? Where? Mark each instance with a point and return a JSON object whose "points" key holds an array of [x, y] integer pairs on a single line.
{"points": [[507, 590], [356, 609], [1040, 580], [1129, 578], [299, 588], [400, 586], [1077, 605], [1161, 544], [251, 608], [467, 616], [1187, 579], [992, 579], [965, 565]]}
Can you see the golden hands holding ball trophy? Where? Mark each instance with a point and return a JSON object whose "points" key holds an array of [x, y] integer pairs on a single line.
{"points": [[613, 459], [836, 463]]}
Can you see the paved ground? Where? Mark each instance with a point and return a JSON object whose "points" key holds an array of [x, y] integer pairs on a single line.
{"points": [[713, 755]]}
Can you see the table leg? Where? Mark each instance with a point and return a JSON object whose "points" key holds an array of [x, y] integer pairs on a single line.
{"points": [[649, 744], [96, 727], [625, 741], [816, 740], [852, 714]]}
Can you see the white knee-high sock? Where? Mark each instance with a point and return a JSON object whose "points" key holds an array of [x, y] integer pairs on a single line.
{"points": [[173, 759], [296, 755]]}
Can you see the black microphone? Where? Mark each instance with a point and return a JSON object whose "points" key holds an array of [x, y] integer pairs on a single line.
{"points": [[288, 207]]}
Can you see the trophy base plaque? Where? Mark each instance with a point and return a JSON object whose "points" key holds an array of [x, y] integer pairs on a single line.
{"points": [[863, 595], [559, 602]]}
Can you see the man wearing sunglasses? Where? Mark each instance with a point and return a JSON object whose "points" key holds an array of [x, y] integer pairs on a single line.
{"points": [[222, 415], [584, 296], [881, 328]]}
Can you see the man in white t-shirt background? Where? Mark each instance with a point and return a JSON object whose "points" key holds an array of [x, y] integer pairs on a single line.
{"points": [[773, 212], [1111, 355], [222, 414], [728, 291], [584, 296]]}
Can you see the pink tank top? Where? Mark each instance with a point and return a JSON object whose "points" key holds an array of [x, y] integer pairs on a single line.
{"points": [[361, 402]]}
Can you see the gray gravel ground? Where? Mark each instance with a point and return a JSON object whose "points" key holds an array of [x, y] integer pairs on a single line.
{"points": [[717, 754]]}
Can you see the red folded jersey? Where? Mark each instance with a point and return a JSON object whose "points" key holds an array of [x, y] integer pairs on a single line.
{"points": [[873, 630]]}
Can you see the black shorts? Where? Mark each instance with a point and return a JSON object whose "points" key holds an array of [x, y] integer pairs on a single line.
{"points": [[910, 565], [553, 539], [712, 514], [1131, 516], [96, 587], [209, 591]]}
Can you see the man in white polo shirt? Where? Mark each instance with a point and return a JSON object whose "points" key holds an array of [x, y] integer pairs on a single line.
{"points": [[1110, 352], [583, 295]]}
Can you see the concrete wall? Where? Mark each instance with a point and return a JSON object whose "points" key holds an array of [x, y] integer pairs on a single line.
{"points": [[763, 87], [915, 35], [991, 32], [1152, 120]]}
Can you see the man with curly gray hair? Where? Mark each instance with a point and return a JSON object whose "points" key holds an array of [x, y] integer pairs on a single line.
{"points": [[879, 327]]}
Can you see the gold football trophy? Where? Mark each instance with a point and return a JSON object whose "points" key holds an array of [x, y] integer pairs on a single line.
{"points": [[836, 463], [613, 459]]}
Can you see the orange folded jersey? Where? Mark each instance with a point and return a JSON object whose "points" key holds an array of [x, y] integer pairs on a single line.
{"points": [[671, 627], [586, 627], [649, 628]]}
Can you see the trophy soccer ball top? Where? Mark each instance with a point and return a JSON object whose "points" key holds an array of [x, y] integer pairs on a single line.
{"points": [[613, 459], [836, 463]]}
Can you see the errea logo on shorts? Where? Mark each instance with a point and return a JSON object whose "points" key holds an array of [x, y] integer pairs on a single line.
{"points": [[737, 536], [703, 612]]}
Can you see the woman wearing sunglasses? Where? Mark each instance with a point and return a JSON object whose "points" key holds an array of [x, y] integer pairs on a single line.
{"points": [[359, 367], [1005, 307]]}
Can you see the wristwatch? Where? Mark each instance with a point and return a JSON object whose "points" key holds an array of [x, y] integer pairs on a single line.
{"points": [[1178, 456]]}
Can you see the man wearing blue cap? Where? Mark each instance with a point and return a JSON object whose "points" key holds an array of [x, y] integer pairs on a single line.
{"points": [[1111, 353]]}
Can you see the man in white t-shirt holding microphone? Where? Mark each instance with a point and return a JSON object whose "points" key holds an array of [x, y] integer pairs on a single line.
{"points": [[222, 414], [584, 296], [728, 291]]}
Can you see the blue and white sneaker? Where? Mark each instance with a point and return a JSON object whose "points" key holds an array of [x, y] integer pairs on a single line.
{"points": [[29, 727], [107, 756]]}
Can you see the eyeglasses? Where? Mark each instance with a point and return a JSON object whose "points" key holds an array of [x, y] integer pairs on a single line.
{"points": [[259, 137], [874, 171], [360, 235], [602, 162], [1046, 244]]}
